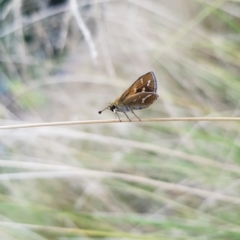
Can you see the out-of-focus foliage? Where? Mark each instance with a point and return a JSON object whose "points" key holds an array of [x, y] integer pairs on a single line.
{"points": [[65, 60]]}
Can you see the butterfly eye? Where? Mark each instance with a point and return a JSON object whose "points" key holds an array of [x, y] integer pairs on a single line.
{"points": [[112, 107]]}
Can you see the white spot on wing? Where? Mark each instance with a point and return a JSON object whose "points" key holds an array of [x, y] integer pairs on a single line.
{"points": [[141, 80], [149, 81], [143, 100], [143, 90]]}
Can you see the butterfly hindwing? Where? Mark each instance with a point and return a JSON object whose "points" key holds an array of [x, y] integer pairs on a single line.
{"points": [[140, 100]]}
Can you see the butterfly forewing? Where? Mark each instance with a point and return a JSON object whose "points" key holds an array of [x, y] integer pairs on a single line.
{"points": [[146, 83]]}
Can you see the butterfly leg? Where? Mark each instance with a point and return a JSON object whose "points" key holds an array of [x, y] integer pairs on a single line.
{"points": [[135, 115], [127, 117], [118, 116]]}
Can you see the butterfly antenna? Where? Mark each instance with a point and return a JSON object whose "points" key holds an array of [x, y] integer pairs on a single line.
{"points": [[103, 110]]}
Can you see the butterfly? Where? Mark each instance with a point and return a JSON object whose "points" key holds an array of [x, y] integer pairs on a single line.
{"points": [[141, 94]]}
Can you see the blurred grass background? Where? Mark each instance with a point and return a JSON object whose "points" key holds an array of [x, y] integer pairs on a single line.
{"points": [[65, 60]]}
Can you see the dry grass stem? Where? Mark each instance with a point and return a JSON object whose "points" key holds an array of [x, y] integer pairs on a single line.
{"points": [[177, 119]]}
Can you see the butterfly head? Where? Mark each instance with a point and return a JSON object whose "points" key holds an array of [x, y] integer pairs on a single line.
{"points": [[113, 108]]}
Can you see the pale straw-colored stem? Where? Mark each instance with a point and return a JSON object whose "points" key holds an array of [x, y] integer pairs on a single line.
{"points": [[177, 119]]}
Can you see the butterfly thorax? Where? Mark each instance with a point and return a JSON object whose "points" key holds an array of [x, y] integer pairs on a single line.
{"points": [[117, 107]]}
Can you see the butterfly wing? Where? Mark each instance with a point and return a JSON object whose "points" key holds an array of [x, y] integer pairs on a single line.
{"points": [[140, 100], [145, 83]]}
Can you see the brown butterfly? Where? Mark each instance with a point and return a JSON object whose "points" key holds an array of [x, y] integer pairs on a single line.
{"points": [[141, 94]]}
